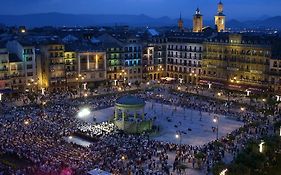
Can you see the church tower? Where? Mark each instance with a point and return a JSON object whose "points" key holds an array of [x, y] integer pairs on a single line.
{"points": [[180, 24], [220, 18], [197, 21]]}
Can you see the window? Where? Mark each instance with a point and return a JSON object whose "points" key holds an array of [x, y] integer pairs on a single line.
{"points": [[29, 66]]}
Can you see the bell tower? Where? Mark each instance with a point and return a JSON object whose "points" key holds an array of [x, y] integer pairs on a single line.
{"points": [[180, 23], [197, 21], [220, 18]]}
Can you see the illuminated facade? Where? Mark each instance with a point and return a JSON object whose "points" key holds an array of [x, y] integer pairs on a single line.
{"points": [[23, 69], [115, 68], [154, 56], [53, 66], [4, 68], [220, 18], [132, 61], [197, 21], [237, 62], [275, 75], [184, 58], [71, 68], [92, 66]]}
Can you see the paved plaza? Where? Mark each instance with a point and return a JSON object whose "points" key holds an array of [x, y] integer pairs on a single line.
{"points": [[196, 127]]}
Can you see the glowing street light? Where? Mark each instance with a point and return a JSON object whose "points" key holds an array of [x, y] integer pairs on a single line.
{"points": [[181, 80], [248, 92], [70, 137], [43, 91], [216, 120], [219, 94], [224, 172], [210, 85], [264, 100], [1, 96], [242, 109], [85, 86], [26, 122], [84, 113], [261, 146], [179, 88]]}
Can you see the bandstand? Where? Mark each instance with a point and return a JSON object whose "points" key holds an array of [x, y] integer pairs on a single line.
{"points": [[129, 115]]}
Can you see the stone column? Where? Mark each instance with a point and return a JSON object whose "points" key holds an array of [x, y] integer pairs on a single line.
{"points": [[123, 114], [116, 113]]}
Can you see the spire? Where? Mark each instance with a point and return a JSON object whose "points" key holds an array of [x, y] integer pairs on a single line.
{"points": [[180, 23], [220, 7], [197, 11]]}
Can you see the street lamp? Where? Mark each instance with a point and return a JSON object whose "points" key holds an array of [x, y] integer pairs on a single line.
{"points": [[248, 92], [79, 79], [210, 85], [219, 94], [178, 136], [181, 80], [261, 146], [224, 172], [115, 82], [43, 91], [216, 120], [85, 86], [84, 113], [242, 109]]}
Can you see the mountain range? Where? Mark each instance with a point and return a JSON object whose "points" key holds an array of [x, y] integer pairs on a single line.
{"points": [[60, 19]]}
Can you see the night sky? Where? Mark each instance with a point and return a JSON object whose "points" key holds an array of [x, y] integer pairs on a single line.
{"points": [[238, 9]]}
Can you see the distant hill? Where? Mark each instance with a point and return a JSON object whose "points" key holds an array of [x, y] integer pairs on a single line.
{"points": [[60, 19]]}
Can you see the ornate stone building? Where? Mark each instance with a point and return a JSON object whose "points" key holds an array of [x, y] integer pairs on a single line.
{"points": [[237, 61]]}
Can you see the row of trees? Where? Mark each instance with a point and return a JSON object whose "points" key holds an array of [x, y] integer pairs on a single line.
{"points": [[253, 162]]}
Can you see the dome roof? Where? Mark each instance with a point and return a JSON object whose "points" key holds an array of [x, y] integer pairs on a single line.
{"points": [[130, 100]]}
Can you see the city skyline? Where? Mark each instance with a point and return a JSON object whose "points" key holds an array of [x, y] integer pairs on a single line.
{"points": [[234, 10]]}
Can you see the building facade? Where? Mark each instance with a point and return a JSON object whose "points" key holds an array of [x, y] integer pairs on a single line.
{"points": [[184, 59], [53, 66], [23, 65], [154, 59], [4, 68], [237, 62]]}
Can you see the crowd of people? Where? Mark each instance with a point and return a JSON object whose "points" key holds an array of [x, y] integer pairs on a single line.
{"points": [[98, 130], [35, 132]]}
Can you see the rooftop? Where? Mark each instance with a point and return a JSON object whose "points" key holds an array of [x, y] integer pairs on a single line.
{"points": [[130, 100]]}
